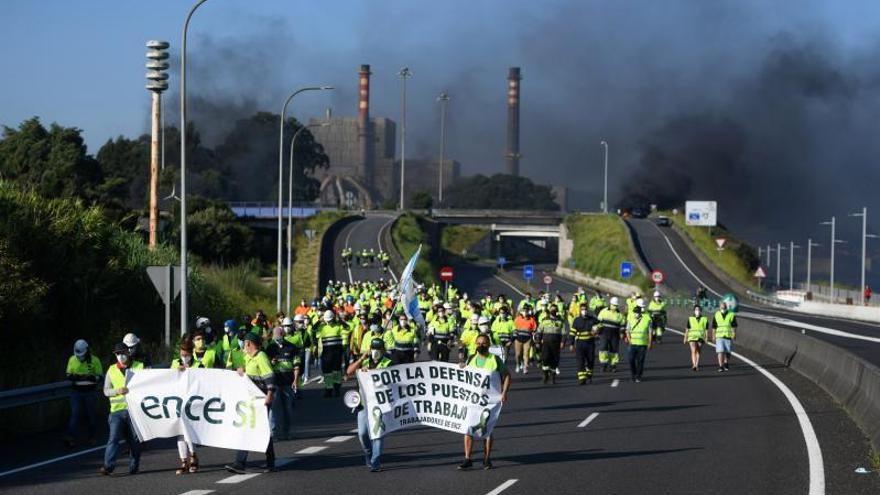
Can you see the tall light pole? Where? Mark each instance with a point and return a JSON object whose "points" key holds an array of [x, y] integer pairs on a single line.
{"points": [[791, 247], [810, 245], [290, 208], [279, 260], [184, 273], [404, 74], [443, 98], [768, 251], [832, 223], [779, 250], [605, 189], [865, 236], [157, 82]]}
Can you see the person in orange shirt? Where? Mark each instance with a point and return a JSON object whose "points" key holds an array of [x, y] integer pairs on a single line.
{"points": [[524, 326], [302, 309]]}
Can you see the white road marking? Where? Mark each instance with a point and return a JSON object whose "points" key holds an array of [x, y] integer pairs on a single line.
{"points": [[814, 450], [505, 282], [589, 420], [197, 492], [503, 486], [51, 461], [312, 450], [379, 245], [340, 439], [615, 383], [237, 478]]}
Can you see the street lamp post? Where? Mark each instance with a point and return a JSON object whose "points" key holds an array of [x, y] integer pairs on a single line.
{"points": [[290, 211], [768, 251], [791, 247], [810, 245], [404, 74], [184, 273], [279, 260], [443, 98], [779, 250], [833, 224], [605, 189]]}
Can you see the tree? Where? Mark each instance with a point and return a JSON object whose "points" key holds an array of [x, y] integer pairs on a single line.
{"points": [[52, 163], [214, 232], [421, 200], [125, 164], [499, 192]]}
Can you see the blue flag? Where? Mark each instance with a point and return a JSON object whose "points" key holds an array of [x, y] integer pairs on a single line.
{"points": [[408, 290]]}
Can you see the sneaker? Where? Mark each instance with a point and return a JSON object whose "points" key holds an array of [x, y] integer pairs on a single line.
{"points": [[184, 467], [525, 371], [268, 468], [638, 380], [487, 464], [466, 464], [557, 371], [582, 381], [235, 468], [103, 471], [721, 370], [375, 469], [693, 368], [726, 367]]}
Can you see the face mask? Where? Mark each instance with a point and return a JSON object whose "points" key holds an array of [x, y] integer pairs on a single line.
{"points": [[241, 344], [484, 328], [696, 312], [208, 330], [583, 313], [279, 340], [122, 358], [376, 355], [187, 360], [502, 316], [483, 349], [82, 358], [402, 323]]}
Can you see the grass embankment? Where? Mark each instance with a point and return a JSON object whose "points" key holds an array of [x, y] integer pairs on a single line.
{"points": [[305, 261], [459, 240], [601, 243], [407, 235], [738, 260]]}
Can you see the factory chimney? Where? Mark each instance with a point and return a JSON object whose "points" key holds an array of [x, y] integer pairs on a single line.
{"points": [[512, 155], [365, 130]]}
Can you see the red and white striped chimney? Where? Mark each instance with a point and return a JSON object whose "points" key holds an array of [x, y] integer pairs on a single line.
{"points": [[365, 134]]}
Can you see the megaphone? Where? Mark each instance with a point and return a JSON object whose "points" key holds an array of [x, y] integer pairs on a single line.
{"points": [[352, 399]]}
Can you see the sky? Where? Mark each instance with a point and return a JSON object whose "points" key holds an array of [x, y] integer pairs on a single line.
{"points": [[767, 106]]}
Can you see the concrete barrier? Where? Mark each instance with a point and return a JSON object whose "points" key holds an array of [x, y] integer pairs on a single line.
{"points": [[861, 313], [849, 379], [598, 283]]}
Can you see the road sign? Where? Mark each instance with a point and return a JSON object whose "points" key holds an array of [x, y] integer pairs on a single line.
{"points": [[166, 280], [528, 272], [657, 277], [502, 261], [760, 273], [701, 213], [446, 273], [626, 269], [720, 243], [548, 280]]}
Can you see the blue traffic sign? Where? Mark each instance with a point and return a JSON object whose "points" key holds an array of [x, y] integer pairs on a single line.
{"points": [[502, 261], [626, 269], [528, 272]]}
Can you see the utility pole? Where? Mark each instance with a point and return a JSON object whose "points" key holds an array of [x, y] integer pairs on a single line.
{"points": [[605, 188], [791, 247], [157, 82], [810, 245], [404, 74], [832, 223], [443, 98]]}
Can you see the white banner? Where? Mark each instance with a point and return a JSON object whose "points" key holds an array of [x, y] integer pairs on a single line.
{"points": [[433, 393], [211, 407]]}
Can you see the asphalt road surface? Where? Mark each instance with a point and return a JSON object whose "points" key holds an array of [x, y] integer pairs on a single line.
{"points": [[678, 432]]}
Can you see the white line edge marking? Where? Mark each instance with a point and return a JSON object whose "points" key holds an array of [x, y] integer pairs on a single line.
{"points": [[767, 318], [379, 244], [347, 239], [505, 282], [503, 486], [198, 492], [615, 383], [814, 450], [312, 450], [237, 478], [339, 439], [51, 461], [589, 420]]}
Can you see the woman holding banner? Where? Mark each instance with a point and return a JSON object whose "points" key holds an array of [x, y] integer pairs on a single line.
{"points": [[375, 359], [486, 361], [189, 462]]}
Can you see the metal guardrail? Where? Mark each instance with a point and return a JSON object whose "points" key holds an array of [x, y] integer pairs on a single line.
{"points": [[770, 301], [26, 396]]}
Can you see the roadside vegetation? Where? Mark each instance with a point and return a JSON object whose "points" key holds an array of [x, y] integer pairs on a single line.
{"points": [[459, 240], [601, 243], [407, 235]]}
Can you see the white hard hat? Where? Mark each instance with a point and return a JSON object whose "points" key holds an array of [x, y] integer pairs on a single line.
{"points": [[286, 322], [615, 301], [640, 303], [483, 321], [447, 306], [328, 315], [475, 318], [202, 322], [357, 306], [80, 348], [437, 302], [656, 293], [299, 317], [130, 340]]}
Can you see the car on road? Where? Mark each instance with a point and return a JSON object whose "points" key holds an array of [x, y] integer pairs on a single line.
{"points": [[663, 221]]}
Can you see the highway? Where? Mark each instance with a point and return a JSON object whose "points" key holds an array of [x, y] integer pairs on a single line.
{"points": [[663, 249], [676, 432]]}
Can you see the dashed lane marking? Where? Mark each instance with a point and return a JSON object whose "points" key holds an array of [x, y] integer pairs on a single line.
{"points": [[615, 383], [51, 461], [503, 486], [589, 420], [339, 439], [237, 478], [312, 450], [197, 492]]}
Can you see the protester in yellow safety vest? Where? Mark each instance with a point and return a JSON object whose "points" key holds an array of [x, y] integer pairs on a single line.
{"points": [[84, 372], [406, 341], [611, 324], [583, 343], [657, 310], [120, 423], [330, 336], [695, 336], [441, 331], [258, 369], [551, 334], [202, 353], [502, 332], [724, 332], [640, 338], [189, 462], [482, 359], [597, 304], [235, 357], [467, 342]]}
